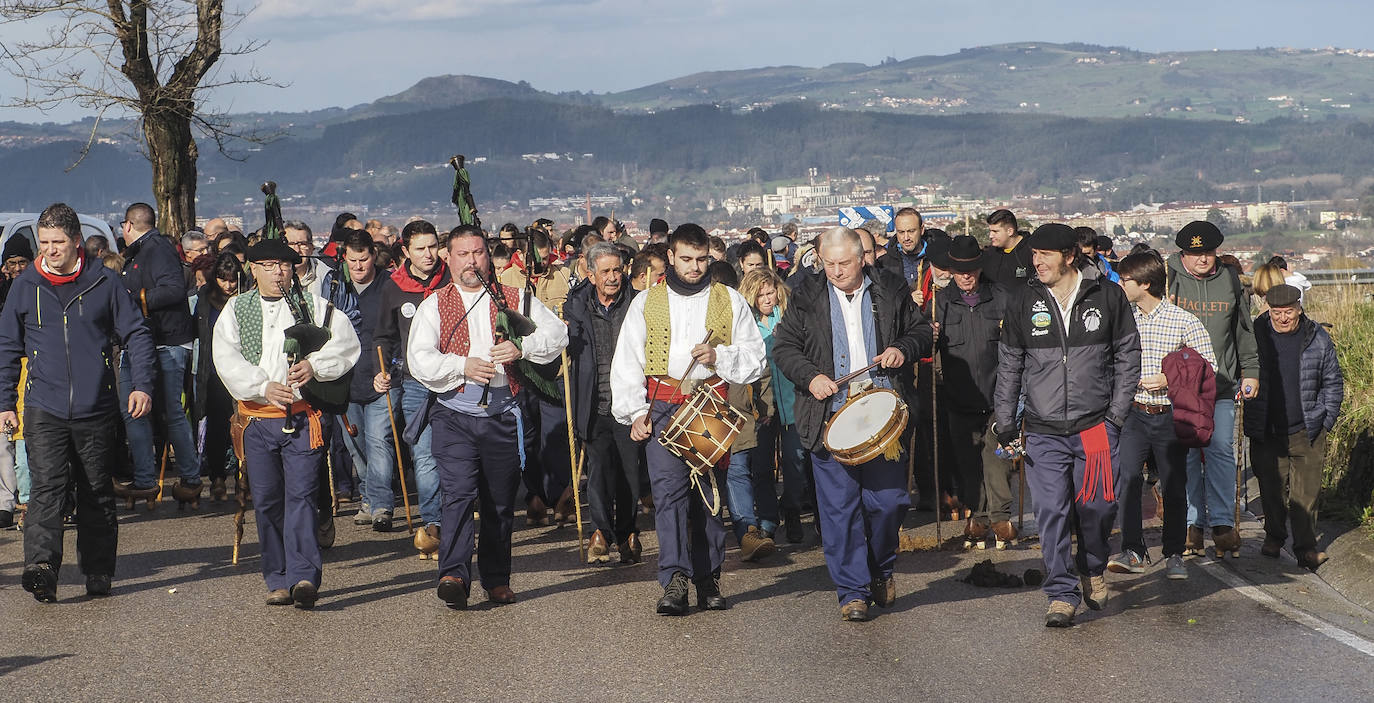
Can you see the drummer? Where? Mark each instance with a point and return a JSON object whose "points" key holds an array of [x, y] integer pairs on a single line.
{"points": [[660, 341], [829, 331]]}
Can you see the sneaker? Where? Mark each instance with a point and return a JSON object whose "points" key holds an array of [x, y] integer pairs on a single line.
{"points": [[1094, 591], [1174, 568], [1129, 562], [1060, 614], [381, 521], [363, 516], [41, 580]]}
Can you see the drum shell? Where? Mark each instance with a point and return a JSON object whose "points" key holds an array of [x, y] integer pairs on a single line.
{"points": [[702, 430], [876, 444]]}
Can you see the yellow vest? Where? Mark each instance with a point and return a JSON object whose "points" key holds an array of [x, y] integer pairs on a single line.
{"points": [[720, 322]]}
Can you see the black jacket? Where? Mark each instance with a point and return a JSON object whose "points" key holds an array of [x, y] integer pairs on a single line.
{"points": [[1322, 385], [1009, 269], [803, 343], [968, 345], [578, 312], [67, 333], [401, 294], [1070, 383], [151, 265], [894, 262], [207, 379], [368, 306]]}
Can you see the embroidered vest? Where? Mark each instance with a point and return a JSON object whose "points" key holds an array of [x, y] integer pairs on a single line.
{"points": [[453, 325], [720, 322], [248, 313]]}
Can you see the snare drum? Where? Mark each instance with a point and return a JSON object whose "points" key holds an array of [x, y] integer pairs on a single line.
{"points": [[868, 425], [703, 429]]}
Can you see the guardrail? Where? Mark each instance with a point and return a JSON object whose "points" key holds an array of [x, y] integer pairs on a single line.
{"points": [[1339, 277]]}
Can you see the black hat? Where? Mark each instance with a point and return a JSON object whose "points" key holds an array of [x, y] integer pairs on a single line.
{"points": [[1104, 243], [1283, 296], [964, 254], [1054, 236], [656, 225], [937, 252], [17, 245], [1198, 235], [274, 249]]}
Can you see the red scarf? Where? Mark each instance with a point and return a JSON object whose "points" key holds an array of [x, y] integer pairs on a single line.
{"points": [[1098, 468], [59, 279], [410, 284]]}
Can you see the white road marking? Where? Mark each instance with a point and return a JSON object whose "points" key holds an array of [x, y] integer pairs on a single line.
{"points": [[1239, 585]]}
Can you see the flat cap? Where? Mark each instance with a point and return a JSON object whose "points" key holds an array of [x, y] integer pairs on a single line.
{"points": [[1054, 236], [1283, 296]]}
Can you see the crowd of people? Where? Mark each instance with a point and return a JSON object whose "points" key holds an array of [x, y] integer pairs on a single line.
{"points": [[486, 370]]}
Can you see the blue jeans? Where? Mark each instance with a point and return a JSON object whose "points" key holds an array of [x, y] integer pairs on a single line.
{"points": [[171, 370], [373, 452], [422, 454], [1212, 489], [739, 489]]}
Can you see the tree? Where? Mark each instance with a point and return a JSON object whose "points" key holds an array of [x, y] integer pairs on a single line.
{"points": [[1217, 217], [166, 53], [1119, 230]]}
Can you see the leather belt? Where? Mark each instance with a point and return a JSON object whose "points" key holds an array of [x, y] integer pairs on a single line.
{"points": [[669, 389], [1150, 409]]}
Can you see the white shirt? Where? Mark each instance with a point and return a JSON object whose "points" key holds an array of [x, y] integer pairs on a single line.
{"points": [[852, 311], [442, 373], [744, 361], [1066, 308], [248, 382]]}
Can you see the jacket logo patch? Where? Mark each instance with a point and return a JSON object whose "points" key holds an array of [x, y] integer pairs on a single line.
{"points": [[1041, 319], [1092, 319], [408, 310], [1040, 306]]}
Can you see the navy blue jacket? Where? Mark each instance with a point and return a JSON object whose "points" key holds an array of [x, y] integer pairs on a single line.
{"points": [[1322, 384], [67, 333], [366, 306], [582, 360], [151, 264]]}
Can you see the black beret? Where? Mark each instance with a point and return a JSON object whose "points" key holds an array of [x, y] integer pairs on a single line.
{"points": [[657, 225], [1283, 296], [1198, 235], [1054, 236], [937, 252], [274, 249]]}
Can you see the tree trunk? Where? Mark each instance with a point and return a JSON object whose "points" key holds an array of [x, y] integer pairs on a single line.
{"points": [[172, 153]]}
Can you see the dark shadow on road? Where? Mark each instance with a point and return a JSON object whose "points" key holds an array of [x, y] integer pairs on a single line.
{"points": [[9, 665]]}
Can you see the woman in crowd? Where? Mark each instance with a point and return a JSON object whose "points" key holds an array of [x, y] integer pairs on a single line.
{"points": [[213, 403]]}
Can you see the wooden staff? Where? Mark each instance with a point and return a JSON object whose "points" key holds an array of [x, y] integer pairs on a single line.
{"points": [[396, 440], [161, 473], [935, 418], [574, 462]]}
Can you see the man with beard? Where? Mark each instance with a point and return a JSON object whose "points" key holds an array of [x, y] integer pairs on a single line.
{"points": [[412, 283], [477, 416], [684, 323]]}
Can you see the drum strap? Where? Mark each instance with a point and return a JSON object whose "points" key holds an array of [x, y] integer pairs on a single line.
{"points": [[712, 503]]}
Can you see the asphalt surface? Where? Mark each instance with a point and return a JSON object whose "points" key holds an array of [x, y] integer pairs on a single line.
{"points": [[185, 624]]}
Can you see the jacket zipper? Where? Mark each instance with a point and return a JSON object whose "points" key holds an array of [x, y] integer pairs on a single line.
{"points": [[1056, 312], [67, 344]]}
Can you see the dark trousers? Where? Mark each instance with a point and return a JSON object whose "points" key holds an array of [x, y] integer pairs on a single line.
{"points": [[984, 478], [219, 410], [690, 538], [1289, 470], [861, 509], [548, 468], [71, 452], [612, 478], [283, 472], [479, 468], [1055, 465], [1146, 435]]}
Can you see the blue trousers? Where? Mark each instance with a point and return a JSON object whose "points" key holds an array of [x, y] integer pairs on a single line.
{"points": [[1054, 473], [793, 471], [1212, 486], [612, 478], [690, 538], [373, 450], [171, 371], [426, 474], [548, 469], [479, 467], [861, 509], [283, 472]]}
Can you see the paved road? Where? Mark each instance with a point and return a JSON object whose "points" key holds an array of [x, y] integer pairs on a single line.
{"points": [[584, 633]]}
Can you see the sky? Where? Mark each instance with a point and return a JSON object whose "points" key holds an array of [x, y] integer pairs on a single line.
{"points": [[340, 53]]}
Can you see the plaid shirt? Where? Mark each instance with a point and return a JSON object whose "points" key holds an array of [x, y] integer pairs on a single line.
{"points": [[1163, 332]]}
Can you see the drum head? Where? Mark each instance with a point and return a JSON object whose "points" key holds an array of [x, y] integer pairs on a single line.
{"points": [[862, 420]]}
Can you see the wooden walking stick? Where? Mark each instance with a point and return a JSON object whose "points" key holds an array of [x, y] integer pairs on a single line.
{"points": [[935, 423], [161, 473], [574, 461], [1239, 439], [396, 440]]}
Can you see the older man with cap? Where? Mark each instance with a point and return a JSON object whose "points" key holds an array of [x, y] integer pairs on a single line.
{"points": [[1069, 342], [1301, 390], [1212, 292], [969, 313], [835, 325]]}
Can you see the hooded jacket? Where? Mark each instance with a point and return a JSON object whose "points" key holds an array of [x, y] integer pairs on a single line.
{"points": [[401, 295], [1071, 382], [803, 343], [1010, 268], [1219, 301], [1322, 386], [151, 265], [66, 333]]}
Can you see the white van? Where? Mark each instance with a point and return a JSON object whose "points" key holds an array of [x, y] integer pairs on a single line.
{"points": [[26, 224]]}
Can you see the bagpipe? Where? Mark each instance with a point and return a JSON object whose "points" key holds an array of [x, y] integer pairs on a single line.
{"points": [[305, 338]]}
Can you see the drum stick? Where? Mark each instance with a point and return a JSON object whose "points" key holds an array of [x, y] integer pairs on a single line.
{"points": [[855, 374], [692, 366]]}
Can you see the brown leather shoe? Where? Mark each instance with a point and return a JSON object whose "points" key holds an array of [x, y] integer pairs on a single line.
{"points": [[281, 596], [305, 594], [427, 542], [854, 611], [1311, 559], [501, 595], [536, 513], [1192, 544], [1272, 547], [884, 591], [754, 546], [1226, 538], [1005, 533], [218, 492], [453, 591], [598, 552], [631, 550], [565, 511]]}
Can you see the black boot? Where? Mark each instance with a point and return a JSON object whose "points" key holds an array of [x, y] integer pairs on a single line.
{"points": [[674, 600], [792, 526], [708, 593]]}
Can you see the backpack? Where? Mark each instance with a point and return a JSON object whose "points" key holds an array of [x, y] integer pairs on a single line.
{"points": [[1193, 393]]}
